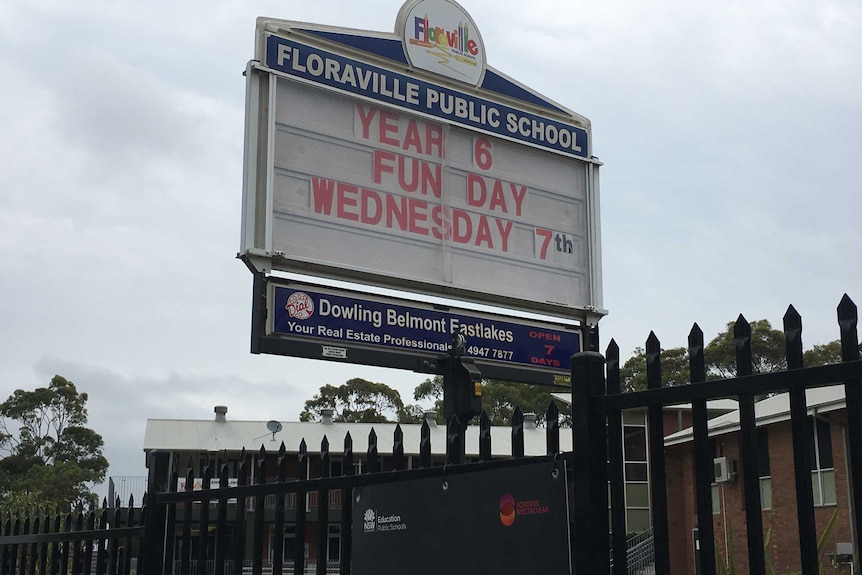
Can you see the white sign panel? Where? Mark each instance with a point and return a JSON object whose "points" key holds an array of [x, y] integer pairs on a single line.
{"points": [[358, 172]]}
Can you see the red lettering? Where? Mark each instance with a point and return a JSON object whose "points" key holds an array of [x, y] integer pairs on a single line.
{"points": [[497, 199], [505, 228], [322, 190], [371, 198], [396, 210], [462, 226], [347, 199], [418, 216], [378, 166], [472, 47], [476, 190], [518, 194], [365, 116], [483, 233], [388, 124], [411, 137], [545, 335], [434, 139], [431, 180], [545, 361], [546, 241], [412, 185]]}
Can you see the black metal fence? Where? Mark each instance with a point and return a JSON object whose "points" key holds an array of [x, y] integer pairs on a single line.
{"points": [[96, 541], [227, 529], [597, 409]]}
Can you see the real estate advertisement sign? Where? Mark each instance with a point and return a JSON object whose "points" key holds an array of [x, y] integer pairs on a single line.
{"points": [[503, 521], [404, 161], [343, 323]]}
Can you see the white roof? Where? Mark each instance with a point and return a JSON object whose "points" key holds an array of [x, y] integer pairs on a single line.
{"points": [[712, 405], [233, 436], [768, 411]]}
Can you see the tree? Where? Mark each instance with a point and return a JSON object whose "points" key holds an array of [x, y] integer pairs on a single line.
{"points": [[674, 369], [50, 456], [357, 401], [499, 399], [767, 351]]}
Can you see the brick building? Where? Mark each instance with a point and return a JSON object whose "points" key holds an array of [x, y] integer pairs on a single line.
{"points": [[827, 416]]}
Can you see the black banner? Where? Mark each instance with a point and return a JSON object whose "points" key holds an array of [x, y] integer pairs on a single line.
{"points": [[505, 521]]}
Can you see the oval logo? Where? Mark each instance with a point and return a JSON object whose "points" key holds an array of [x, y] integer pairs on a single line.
{"points": [[507, 510], [299, 305], [439, 36]]}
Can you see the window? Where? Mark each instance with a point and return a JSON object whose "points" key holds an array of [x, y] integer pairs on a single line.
{"points": [[763, 471], [822, 469], [334, 544], [636, 472], [289, 550]]}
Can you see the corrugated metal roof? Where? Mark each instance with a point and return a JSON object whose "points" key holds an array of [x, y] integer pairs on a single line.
{"points": [[211, 435], [771, 410]]}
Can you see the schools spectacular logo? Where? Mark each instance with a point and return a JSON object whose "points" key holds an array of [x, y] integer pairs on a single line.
{"points": [[372, 522], [510, 508]]}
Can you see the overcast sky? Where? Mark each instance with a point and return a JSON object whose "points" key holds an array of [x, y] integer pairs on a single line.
{"points": [[729, 132]]}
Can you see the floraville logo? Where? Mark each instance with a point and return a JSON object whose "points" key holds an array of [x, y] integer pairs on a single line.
{"points": [[369, 523], [299, 305], [510, 508], [439, 36], [457, 41]]}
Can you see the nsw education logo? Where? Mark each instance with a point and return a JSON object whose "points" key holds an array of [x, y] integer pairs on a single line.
{"points": [[369, 521], [300, 305]]}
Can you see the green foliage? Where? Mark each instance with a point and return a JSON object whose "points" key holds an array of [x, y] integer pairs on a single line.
{"points": [[499, 399], [729, 567], [50, 456], [767, 351], [357, 401], [674, 369]]}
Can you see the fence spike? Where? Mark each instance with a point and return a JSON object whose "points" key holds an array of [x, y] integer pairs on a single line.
{"points": [[398, 462], [848, 318], [793, 338], [653, 361], [696, 361], [612, 361], [485, 444], [518, 432]]}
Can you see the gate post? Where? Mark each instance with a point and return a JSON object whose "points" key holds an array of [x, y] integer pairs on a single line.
{"points": [[153, 543], [590, 528]]}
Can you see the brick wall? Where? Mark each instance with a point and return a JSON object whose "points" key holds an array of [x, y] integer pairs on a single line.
{"points": [[729, 519]]}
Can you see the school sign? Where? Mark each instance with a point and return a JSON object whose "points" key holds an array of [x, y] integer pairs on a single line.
{"points": [[403, 160]]}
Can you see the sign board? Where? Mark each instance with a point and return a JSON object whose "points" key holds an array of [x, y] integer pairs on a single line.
{"points": [[508, 522], [404, 161], [343, 324]]}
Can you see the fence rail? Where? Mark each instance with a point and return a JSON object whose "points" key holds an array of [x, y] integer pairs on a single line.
{"points": [[598, 403], [177, 531]]}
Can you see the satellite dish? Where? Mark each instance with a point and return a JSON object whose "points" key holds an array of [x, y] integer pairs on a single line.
{"points": [[274, 427]]}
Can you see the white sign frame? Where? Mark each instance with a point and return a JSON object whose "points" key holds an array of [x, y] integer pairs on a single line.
{"points": [[298, 58]]}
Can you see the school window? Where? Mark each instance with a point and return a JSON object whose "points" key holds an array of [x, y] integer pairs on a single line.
{"points": [[822, 468], [636, 471], [289, 549], [763, 471], [334, 544]]}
